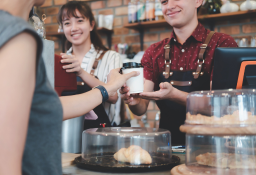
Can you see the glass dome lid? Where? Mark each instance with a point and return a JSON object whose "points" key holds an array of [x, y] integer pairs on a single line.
{"points": [[126, 131], [127, 146], [224, 92], [220, 107]]}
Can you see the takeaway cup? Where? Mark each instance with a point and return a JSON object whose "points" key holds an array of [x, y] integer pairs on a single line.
{"points": [[136, 84]]}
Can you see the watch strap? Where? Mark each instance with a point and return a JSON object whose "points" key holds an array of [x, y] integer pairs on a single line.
{"points": [[103, 91]]}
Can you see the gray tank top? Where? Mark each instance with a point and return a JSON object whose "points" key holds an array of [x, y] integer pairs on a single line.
{"points": [[42, 154]]}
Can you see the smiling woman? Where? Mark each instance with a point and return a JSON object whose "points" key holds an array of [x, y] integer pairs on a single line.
{"points": [[88, 56], [83, 16], [31, 112]]}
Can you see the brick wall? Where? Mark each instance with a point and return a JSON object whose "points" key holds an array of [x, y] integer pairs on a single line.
{"points": [[238, 27]]}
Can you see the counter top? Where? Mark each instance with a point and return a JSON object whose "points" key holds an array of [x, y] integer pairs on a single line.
{"points": [[73, 170]]}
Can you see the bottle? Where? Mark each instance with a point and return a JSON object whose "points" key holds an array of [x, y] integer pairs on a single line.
{"points": [[132, 11], [158, 10], [150, 10], [141, 13]]}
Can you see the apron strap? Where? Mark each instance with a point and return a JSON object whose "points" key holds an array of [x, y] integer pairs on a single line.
{"points": [[181, 83], [201, 55], [96, 62], [167, 72], [95, 65]]}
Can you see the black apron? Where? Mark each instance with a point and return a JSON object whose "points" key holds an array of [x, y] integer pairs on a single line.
{"points": [[173, 114], [102, 120]]}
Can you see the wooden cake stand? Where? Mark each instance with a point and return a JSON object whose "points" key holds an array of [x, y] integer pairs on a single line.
{"points": [[183, 170], [213, 130]]}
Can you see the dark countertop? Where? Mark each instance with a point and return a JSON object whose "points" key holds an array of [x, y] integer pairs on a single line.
{"points": [[73, 170]]}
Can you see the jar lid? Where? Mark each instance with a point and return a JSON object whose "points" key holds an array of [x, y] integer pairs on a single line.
{"points": [[132, 65]]}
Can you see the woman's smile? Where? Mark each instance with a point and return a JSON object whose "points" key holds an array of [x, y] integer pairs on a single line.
{"points": [[76, 35]]}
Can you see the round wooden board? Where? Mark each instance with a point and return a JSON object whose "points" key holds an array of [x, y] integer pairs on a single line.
{"points": [[218, 130]]}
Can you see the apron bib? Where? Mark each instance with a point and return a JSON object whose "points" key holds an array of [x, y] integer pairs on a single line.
{"points": [[82, 87], [173, 114], [102, 119]]}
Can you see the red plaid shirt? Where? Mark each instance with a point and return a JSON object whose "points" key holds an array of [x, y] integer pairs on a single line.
{"points": [[184, 57]]}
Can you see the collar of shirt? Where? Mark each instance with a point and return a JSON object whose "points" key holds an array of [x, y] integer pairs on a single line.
{"points": [[69, 52], [197, 33]]}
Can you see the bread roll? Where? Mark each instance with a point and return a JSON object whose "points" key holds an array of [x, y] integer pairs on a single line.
{"points": [[134, 155]]}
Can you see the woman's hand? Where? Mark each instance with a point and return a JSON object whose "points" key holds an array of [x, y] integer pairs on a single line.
{"points": [[74, 64], [117, 80]]}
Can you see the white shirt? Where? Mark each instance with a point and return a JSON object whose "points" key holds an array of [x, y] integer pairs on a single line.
{"points": [[111, 60]]}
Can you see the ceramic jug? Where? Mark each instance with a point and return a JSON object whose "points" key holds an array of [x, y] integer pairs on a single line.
{"points": [[229, 7], [248, 5]]}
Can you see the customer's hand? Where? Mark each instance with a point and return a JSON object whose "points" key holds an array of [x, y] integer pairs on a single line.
{"points": [[129, 99], [74, 64], [117, 80], [165, 92]]}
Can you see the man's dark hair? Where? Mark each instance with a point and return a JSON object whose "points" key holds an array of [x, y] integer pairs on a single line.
{"points": [[199, 8]]}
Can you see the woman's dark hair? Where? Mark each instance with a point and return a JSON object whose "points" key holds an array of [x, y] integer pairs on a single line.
{"points": [[69, 9]]}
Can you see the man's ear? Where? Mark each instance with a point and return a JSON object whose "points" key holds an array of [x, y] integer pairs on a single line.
{"points": [[199, 3], [92, 25]]}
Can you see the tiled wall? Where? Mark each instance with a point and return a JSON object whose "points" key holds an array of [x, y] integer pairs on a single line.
{"points": [[236, 27]]}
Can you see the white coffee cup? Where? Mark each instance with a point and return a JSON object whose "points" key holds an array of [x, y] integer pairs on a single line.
{"points": [[135, 84]]}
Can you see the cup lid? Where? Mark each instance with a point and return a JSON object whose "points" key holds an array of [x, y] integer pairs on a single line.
{"points": [[132, 65]]}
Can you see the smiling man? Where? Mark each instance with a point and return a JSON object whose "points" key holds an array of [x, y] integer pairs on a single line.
{"points": [[177, 65]]}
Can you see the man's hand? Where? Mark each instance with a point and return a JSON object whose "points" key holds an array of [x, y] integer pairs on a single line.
{"points": [[74, 64], [165, 92], [127, 97], [137, 105]]}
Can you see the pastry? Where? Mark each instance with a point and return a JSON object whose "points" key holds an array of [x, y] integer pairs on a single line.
{"points": [[235, 118], [213, 159], [227, 160], [120, 155], [134, 155]]}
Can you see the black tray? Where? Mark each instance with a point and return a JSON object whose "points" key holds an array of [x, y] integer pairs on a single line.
{"points": [[106, 163]]}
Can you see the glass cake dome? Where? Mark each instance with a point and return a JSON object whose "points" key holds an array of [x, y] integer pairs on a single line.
{"points": [[130, 146], [220, 132], [221, 107]]}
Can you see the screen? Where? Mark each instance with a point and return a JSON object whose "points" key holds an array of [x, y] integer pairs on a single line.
{"points": [[227, 63]]}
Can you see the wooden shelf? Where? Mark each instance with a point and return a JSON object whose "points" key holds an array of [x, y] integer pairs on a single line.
{"points": [[228, 15], [103, 29], [208, 19], [203, 18], [147, 24]]}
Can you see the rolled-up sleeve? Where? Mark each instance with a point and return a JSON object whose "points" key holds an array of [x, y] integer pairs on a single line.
{"points": [[147, 63]]}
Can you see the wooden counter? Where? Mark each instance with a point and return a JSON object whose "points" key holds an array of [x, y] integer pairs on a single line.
{"points": [[69, 169]]}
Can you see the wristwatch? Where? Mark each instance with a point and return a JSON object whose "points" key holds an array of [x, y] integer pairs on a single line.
{"points": [[103, 91]]}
